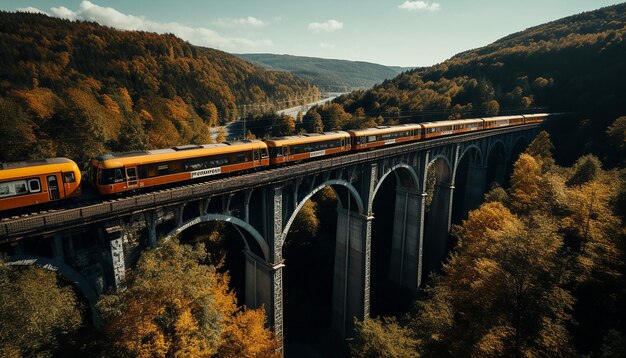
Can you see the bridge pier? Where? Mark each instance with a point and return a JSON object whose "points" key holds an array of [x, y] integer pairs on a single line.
{"points": [[259, 283], [474, 188], [350, 271], [436, 235], [405, 245]]}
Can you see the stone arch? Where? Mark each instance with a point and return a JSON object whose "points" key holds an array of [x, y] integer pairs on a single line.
{"points": [[478, 150], [395, 250], [334, 182], [469, 182], [405, 174], [68, 273], [437, 216], [238, 223], [492, 146]]}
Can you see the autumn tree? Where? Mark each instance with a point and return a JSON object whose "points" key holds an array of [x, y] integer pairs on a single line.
{"points": [[38, 314], [177, 306], [383, 337], [541, 148], [525, 181], [16, 131], [586, 169]]}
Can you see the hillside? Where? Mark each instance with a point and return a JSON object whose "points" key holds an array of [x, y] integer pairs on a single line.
{"points": [[326, 72], [77, 88], [575, 64]]}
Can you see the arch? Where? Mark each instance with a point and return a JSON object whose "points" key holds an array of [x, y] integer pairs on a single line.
{"points": [[412, 175], [66, 272], [348, 186], [478, 150], [516, 144], [442, 157], [229, 219], [493, 144]]}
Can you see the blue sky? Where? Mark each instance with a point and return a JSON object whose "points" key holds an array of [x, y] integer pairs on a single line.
{"points": [[389, 32]]}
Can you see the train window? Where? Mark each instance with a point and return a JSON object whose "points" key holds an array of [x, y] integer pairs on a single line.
{"points": [[69, 177], [110, 176], [371, 138], [131, 173], [256, 155], [4, 190], [34, 186], [264, 153], [162, 170]]}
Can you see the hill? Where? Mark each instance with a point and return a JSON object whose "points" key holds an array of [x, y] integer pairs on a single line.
{"points": [[575, 64], [327, 72], [78, 88]]}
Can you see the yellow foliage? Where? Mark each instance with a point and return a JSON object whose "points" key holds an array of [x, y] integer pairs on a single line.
{"points": [[42, 102], [525, 183], [110, 104]]}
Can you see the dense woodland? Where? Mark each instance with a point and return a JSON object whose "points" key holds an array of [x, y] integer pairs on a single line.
{"points": [[78, 89]]}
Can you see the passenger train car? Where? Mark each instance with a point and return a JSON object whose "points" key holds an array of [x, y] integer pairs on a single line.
{"points": [[116, 173], [30, 183], [290, 149], [38, 181], [384, 135]]}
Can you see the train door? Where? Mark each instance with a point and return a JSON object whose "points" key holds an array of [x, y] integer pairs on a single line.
{"points": [[285, 153], [53, 187], [131, 177], [256, 153]]}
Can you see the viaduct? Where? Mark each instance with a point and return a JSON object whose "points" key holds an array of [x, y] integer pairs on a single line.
{"points": [[94, 244]]}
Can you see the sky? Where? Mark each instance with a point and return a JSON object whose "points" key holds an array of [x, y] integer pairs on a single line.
{"points": [[405, 33]]}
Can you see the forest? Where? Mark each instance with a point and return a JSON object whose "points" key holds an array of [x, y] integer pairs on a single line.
{"points": [[119, 90]]}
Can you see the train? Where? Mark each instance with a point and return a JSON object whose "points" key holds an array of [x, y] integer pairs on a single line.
{"points": [[30, 183]]}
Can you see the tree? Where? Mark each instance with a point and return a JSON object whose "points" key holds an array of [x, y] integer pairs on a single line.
{"points": [[541, 149], [132, 135], [37, 313], [312, 122], [525, 184], [383, 338], [492, 108], [177, 306], [586, 169]]}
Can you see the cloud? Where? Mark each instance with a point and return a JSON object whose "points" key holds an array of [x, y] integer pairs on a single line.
{"points": [[328, 26], [325, 45], [31, 9], [201, 36], [419, 5], [244, 22]]}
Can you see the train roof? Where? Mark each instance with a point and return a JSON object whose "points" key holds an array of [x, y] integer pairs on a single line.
{"points": [[503, 118], [27, 168], [307, 138], [117, 160], [384, 129], [450, 122]]}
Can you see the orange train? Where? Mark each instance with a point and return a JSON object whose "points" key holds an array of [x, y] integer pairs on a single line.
{"points": [[38, 181], [117, 173]]}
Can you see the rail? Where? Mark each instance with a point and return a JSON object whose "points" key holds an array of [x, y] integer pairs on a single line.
{"points": [[40, 223]]}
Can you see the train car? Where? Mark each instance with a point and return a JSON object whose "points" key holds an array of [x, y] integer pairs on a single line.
{"points": [[291, 149], [384, 135], [441, 128], [38, 181], [535, 118], [116, 173], [503, 121]]}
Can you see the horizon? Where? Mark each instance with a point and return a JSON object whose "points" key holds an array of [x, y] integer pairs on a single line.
{"points": [[310, 30]]}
